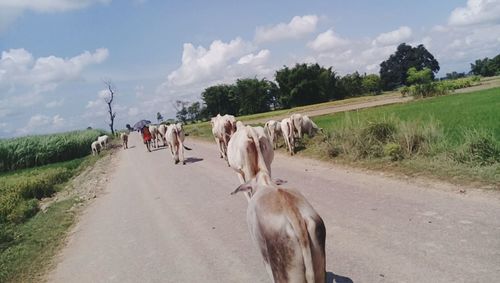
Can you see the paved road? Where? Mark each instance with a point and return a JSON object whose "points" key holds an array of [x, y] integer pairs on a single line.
{"points": [[160, 222]]}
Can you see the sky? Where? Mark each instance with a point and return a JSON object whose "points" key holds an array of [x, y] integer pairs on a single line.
{"points": [[57, 54]]}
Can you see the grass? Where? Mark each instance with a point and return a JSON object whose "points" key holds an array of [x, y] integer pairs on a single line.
{"points": [[36, 241], [455, 113], [28, 237]]}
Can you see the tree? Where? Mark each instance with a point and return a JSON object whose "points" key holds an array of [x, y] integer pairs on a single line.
{"points": [[351, 85], [393, 71], [306, 84], [109, 101], [159, 117], [372, 84], [486, 67], [194, 111], [220, 99], [419, 77], [254, 96]]}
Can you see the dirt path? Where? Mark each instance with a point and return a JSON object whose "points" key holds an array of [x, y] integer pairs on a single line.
{"points": [[339, 108], [160, 222]]}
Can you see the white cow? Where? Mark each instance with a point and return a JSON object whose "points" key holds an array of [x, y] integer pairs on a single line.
{"points": [[273, 129], [95, 147], [175, 139], [223, 128], [297, 123], [155, 137], [309, 127], [162, 131], [242, 151], [124, 139], [287, 131], [103, 141], [286, 229]]}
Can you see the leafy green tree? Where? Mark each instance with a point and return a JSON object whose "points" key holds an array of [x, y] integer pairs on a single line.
{"points": [[182, 114], [454, 75], [220, 99], [194, 111], [419, 77], [351, 85], [254, 96], [306, 84], [372, 84], [486, 67], [393, 71]]}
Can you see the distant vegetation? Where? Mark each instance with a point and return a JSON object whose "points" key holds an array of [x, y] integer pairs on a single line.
{"points": [[486, 67], [30, 151]]}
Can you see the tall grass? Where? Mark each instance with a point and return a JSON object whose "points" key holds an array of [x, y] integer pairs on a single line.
{"points": [[30, 151]]}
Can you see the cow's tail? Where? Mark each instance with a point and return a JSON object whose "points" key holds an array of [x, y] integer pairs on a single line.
{"points": [[300, 227], [266, 129], [186, 148]]}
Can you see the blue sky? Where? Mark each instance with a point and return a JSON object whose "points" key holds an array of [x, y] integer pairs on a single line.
{"points": [[55, 54]]}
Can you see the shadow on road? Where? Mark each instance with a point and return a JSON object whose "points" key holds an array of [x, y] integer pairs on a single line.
{"points": [[335, 278], [193, 159]]}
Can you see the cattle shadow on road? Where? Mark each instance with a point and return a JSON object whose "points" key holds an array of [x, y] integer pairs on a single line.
{"points": [[193, 160], [335, 278]]}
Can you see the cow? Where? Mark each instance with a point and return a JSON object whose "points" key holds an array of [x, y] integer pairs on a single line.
{"points": [[155, 137], [287, 127], [297, 120], [242, 152], [162, 131], [103, 141], [309, 127], [284, 226], [273, 129], [124, 139], [95, 147], [223, 128], [175, 139]]}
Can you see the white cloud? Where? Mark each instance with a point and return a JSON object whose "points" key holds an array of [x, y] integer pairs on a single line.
{"points": [[326, 41], [18, 67], [476, 12], [201, 64], [393, 37], [57, 121], [258, 59], [296, 28]]}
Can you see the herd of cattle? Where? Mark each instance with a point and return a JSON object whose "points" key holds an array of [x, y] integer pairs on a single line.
{"points": [[286, 229]]}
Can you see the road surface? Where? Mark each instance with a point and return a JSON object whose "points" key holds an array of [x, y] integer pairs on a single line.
{"points": [[160, 222]]}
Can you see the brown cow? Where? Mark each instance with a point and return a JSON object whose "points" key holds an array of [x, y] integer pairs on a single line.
{"points": [[286, 229]]}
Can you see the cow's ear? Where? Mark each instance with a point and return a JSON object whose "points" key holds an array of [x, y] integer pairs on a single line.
{"points": [[247, 187]]}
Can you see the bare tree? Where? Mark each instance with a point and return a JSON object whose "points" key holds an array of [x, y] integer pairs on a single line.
{"points": [[109, 101]]}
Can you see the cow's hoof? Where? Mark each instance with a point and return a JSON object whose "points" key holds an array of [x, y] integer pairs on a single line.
{"points": [[183, 162], [176, 161]]}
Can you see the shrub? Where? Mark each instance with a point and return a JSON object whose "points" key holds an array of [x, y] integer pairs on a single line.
{"points": [[394, 151], [480, 148]]}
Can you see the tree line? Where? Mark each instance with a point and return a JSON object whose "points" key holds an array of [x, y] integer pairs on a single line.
{"points": [[305, 84]]}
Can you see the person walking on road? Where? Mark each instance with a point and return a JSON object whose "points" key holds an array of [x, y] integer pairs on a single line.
{"points": [[146, 137]]}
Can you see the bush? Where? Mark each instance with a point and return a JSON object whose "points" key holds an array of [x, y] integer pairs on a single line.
{"points": [[394, 151], [480, 148]]}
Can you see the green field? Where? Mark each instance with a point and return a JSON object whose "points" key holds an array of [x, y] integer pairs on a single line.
{"points": [[454, 113], [31, 151]]}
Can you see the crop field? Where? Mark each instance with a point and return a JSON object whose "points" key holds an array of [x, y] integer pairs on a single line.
{"points": [[30, 151], [454, 113]]}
